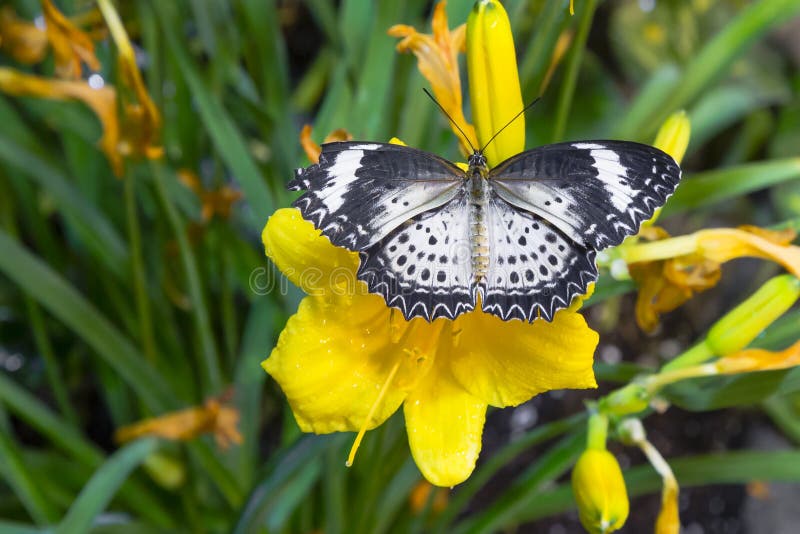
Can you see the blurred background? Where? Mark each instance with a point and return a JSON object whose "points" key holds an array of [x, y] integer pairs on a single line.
{"points": [[133, 280]]}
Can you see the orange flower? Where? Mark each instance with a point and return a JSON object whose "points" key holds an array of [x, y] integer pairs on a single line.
{"points": [[437, 55], [214, 202], [71, 45], [312, 149], [669, 271], [421, 494], [759, 360], [21, 39], [213, 417], [102, 101]]}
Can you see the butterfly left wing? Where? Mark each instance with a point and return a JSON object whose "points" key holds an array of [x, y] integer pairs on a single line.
{"points": [[359, 192], [595, 192]]}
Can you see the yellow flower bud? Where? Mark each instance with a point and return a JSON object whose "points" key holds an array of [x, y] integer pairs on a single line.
{"points": [[673, 136], [742, 324], [165, 470], [599, 492], [494, 89]]}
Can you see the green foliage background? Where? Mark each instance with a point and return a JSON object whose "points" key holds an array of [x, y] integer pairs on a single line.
{"points": [[120, 313]]}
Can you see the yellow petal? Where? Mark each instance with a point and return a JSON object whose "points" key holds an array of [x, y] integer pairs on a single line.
{"points": [[505, 363], [444, 425], [332, 360], [669, 521], [494, 81], [306, 257]]}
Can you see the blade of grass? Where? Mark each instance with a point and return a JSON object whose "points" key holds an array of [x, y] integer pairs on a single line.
{"points": [[505, 510], [718, 55], [573, 63], [539, 51], [17, 475], [92, 226], [220, 127], [70, 307], [486, 470], [712, 187], [200, 316], [105, 483]]}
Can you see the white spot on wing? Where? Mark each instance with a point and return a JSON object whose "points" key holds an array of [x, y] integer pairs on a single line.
{"points": [[610, 169], [343, 172], [588, 146], [365, 147]]}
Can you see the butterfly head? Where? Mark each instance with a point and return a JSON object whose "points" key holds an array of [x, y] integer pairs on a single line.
{"points": [[477, 161]]}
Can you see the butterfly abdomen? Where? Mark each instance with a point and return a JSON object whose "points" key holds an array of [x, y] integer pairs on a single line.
{"points": [[479, 234]]}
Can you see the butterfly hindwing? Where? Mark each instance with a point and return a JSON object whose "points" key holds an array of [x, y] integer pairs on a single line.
{"points": [[595, 192], [424, 267], [359, 192], [534, 270]]}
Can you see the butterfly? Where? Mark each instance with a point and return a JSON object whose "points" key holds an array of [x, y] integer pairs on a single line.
{"points": [[518, 240]]}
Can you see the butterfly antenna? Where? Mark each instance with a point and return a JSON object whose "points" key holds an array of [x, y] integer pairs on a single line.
{"points": [[454, 123], [526, 108]]}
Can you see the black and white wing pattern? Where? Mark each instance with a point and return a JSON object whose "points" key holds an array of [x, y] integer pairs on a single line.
{"points": [[359, 192], [595, 192], [534, 270], [424, 267]]}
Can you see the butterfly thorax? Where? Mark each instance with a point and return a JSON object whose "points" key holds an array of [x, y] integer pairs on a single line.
{"points": [[479, 235]]}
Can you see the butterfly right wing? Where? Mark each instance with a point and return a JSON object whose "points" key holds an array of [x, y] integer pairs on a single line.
{"points": [[360, 192], [424, 267]]}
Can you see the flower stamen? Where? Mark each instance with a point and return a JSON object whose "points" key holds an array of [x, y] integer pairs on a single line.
{"points": [[357, 443]]}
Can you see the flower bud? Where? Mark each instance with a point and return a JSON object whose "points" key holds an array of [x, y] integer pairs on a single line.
{"points": [[741, 325], [599, 492], [673, 136], [494, 89]]}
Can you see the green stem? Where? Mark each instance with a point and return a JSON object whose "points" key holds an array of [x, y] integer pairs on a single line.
{"points": [[573, 64], [199, 311], [694, 356], [597, 432], [137, 269]]}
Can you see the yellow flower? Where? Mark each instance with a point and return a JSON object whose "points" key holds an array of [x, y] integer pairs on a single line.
{"points": [[347, 362], [599, 491], [213, 417], [437, 56], [494, 81]]}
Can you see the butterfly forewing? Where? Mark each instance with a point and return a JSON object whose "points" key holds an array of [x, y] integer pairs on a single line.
{"points": [[534, 270], [595, 192], [359, 192], [423, 267]]}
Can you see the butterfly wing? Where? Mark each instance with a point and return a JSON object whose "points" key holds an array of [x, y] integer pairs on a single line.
{"points": [[595, 192], [424, 267], [534, 270], [359, 192]]}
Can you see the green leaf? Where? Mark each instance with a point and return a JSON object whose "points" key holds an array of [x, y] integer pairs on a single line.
{"points": [[105, 483], [21, 480]]}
